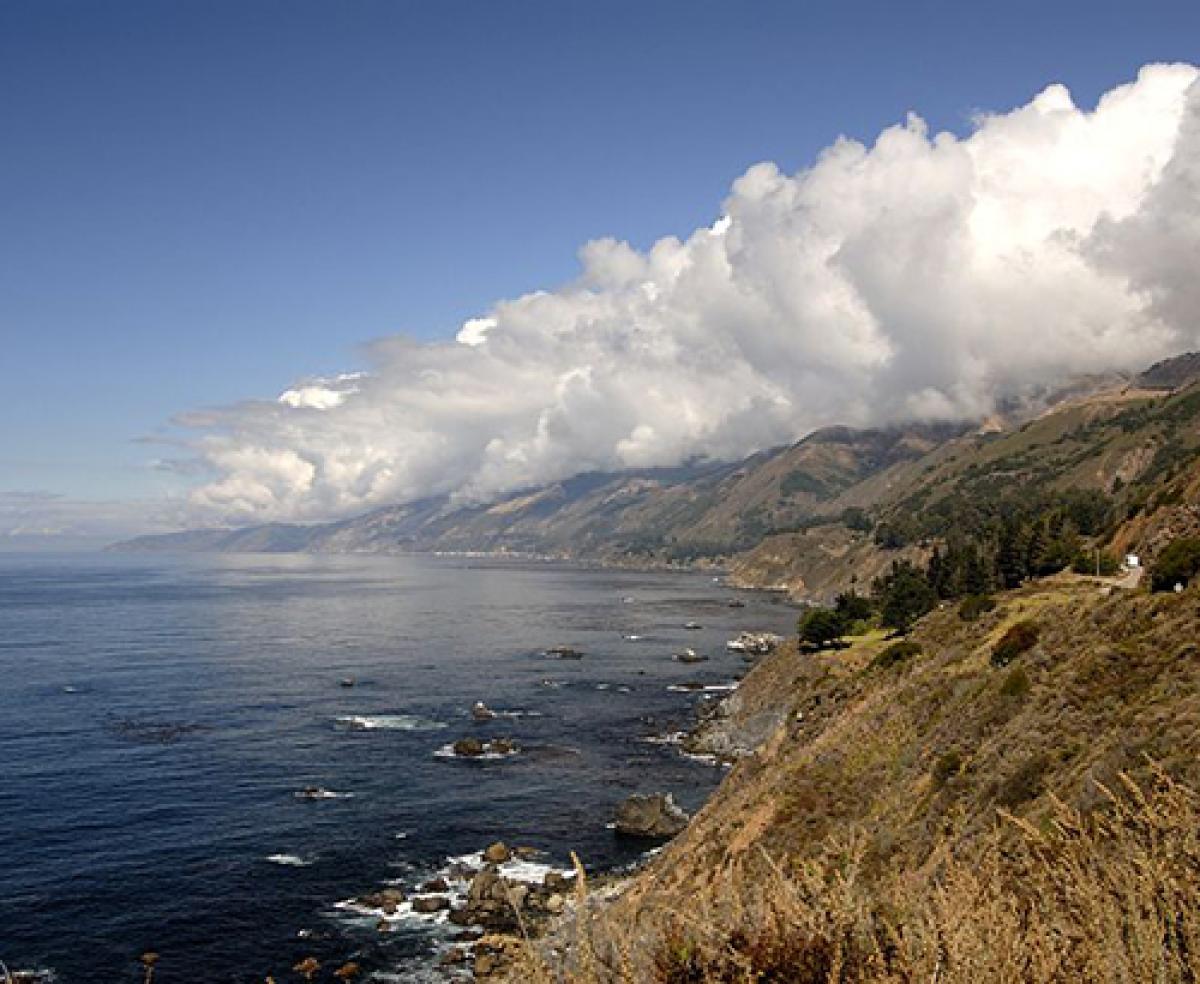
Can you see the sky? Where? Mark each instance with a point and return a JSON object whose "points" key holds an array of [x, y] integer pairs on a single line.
{"points": [[203, 205]]}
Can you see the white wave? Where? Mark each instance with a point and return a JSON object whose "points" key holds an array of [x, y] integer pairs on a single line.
{"points": [[708, 688], [321, 794], [447, 752], [289, 860], [515, 869], [672, 738], [389, 722]]}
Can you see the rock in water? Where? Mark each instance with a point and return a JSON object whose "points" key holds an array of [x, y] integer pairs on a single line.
{"points": [[430, 903], [468, 747], [481, 712], [497, 853], [657, 816]]}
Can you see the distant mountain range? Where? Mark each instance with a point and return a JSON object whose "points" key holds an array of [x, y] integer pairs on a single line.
{"points": [[799, 518]]}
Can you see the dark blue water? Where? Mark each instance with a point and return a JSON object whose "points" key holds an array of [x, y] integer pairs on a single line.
{"points": [[158, 714]]}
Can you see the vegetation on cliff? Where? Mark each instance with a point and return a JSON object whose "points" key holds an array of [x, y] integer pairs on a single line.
{"points": [[1009, 798]]}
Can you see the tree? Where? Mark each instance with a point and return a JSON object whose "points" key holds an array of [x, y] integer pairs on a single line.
{"points": [[856, 518], [821, 627], [904, 595], [1177, 564], [853, 607]]}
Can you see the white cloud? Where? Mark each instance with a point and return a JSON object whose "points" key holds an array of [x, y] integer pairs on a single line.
{"points": [[924, 276]]}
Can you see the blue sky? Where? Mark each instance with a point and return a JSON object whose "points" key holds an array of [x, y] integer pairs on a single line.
{"points": [[201, 202]]}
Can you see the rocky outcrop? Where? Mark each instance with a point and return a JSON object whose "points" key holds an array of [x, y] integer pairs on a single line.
{"points": [[656, 816]]}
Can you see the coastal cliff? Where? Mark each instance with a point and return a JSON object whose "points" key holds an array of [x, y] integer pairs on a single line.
{"points": [[938, 816]]}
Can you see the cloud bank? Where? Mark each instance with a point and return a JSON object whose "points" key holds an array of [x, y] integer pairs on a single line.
{"points": [[924, 277]]}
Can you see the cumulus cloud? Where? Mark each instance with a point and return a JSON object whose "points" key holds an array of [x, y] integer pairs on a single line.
{"points": [[923, 277]]}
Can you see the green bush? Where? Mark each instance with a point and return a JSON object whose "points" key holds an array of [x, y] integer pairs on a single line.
{"points": [[897, 652], [853, 607], [1103, 563], [1177, 564], [1016, 684], [975, 606], [1020, 638], [946, 768], [821, 627]]}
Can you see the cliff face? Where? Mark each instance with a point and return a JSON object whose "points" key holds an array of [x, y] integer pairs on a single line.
{"points": [[868, 792]]}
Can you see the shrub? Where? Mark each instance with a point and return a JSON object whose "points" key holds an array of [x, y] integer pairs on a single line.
{"points": [[1177, 564], [1016, 684], [1020, 638], [975, 606], [821, 627], [857, 519], [1098, 562], [1025, 783], [946, 768], [853, 607], [897, 652]]}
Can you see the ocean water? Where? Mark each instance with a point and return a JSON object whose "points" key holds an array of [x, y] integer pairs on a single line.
{"points": [[158, 715]]}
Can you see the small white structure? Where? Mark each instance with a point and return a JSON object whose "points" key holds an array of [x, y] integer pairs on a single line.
{"points": [[1133, 561]]}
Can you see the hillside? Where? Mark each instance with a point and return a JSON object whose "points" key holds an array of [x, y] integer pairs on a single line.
{"points": [[662, 515], [831, 511], [1135, 449], [939, 818]]}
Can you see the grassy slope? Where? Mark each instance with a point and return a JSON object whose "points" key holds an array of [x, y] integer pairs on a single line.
{"points": [[901, 773], [1140, 446]]}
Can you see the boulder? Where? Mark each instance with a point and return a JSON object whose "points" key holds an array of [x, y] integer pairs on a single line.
{"points": [[435, 885], [555, 904], [481, 712], [497, 853], [430, 903], [470, 747], [655, 816], [455, 955], [501, 746], [556, 882]]}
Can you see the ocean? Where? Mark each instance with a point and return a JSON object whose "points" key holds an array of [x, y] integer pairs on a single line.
{"points": [[159, 714]]}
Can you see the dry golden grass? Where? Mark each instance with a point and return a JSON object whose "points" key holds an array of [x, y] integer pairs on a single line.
{"points": [[1113, 896], [943, 820]]}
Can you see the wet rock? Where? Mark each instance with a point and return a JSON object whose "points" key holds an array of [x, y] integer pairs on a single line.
{"points": [[454, 956], [461, 916], [435, 885], [468, 747], [481, 712], [497, 853], [501, 746], [656, 816], [555, 904], [430, 903], [556, 882]]}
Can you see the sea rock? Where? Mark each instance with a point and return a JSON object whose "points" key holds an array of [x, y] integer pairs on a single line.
{"points": [[555, 881], [501, 746], [555, 904], [481, 712], [454, 956], [497, 853], [435, 885], [430, 903], [655, 816], [468, 747]]}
